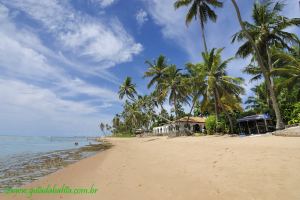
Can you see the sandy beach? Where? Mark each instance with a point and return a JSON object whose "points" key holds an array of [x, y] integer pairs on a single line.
{"points": [[185, 168]]}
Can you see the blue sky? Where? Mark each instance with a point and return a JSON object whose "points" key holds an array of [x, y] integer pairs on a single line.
{"points": [[61, 61]]}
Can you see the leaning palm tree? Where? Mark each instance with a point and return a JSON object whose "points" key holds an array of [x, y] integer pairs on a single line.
{"points": [[200, 9], [268, 30], [127, 89]]}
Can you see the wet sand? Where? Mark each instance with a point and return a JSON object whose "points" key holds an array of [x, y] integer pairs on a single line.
{"points": [[185, 168]]}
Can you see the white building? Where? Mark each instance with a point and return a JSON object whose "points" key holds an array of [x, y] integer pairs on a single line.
{"points": [[195, 125]]}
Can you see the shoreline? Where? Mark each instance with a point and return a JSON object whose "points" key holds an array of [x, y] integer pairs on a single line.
{"points": [[209, 167], [26, 168]]}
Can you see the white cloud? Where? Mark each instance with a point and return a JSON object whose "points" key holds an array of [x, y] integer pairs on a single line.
{"points": [[36, 110], [37, 98], [74, 87], [105, 3], [19, 54], [42, 96], [20, 61], [105, 43], [23, 60], [23, 37], [291, 10], [173, 26], [141, 17], [107, 46]]}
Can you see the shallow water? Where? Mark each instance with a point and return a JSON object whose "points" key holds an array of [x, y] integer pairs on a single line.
{"points": [[18, 145], [25, 159], [27, 168]]}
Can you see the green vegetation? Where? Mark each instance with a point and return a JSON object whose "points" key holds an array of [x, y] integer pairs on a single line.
{"points": [[206, 87], [295, 115], [96, 147], [267, 32], [105, 128], [211, 124]]}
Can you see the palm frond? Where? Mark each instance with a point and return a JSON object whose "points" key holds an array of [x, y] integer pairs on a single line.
{"points": [[180, 3], [192, 13]]}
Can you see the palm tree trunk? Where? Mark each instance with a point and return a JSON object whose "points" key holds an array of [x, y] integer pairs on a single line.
{"points": [[216, 109], [226, 113], [175, 107], [229, 119], [188, 118], [216, 106], [279, 123], [203, 35]]}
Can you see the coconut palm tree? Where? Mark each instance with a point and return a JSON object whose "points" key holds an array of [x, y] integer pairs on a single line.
{"points": [[259, 103], [195, 84], [127, 89], [102, 127], [218, 85], [176, 87], [267, 31], [156, 70], [116, 122], [289, 67], [132, 115], [200, 9], [107, 127]]}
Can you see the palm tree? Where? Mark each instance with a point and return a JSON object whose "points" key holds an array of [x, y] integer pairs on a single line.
{"points": [[175, 86], [107, 127], [267, 31], [132, 115], [259, 103], [195, 84], [156, 70], [116, 123], [146, 105], [102, 127], [127, 89], [200, 9], [218, 85], [289, 67]]}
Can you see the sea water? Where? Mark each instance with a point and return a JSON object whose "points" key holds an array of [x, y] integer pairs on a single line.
{"points": [[11, 146], [17, 152]]}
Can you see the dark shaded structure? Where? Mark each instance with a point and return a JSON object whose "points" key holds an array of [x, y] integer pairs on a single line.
{"points": [[255, 124]]}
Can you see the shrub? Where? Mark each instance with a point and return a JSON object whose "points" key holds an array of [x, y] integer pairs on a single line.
{"points": [[220, 126], [210, 124], [123, 134], [295, 116]]}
